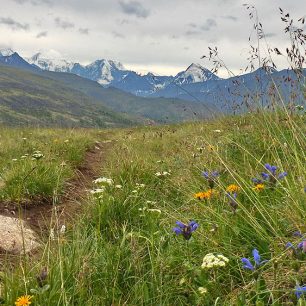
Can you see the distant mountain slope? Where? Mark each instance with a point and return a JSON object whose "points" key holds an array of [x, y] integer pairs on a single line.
{"points": [[13, 59], [29, 98], [257, 88], [196, 83], [158, 109]]}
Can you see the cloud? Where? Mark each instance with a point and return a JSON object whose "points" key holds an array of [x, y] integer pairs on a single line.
{"points": [[230, 17], [42, 34], [84, 31], [13, 24], [192, 25], [63, 23], [192, 33], [134, 8], [209, 23], [270, 34], [34, 2], [118, 35]]}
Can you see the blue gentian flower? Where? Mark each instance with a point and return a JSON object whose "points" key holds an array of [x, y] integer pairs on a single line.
{"points": [[297, 234], [257, 259], [247, 264], [211, 177], [185, 230], [271, 168], [212, 174], [265, 176], [289, 245], [256, 256], [257, 181], [282, 175], [270, 176], [301, 246], [299, 291]]}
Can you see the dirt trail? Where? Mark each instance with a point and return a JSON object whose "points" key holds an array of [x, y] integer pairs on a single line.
{"points": [[40, 213]]}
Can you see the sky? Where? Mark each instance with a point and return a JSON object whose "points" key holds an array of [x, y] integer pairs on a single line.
{"points": [[161, 36]]}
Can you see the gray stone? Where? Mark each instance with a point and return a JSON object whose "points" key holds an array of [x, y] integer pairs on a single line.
{"points": [[15, 236]]}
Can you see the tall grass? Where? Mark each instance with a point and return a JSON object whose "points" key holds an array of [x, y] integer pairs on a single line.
{"points": [[22, 176], [124, 252]]}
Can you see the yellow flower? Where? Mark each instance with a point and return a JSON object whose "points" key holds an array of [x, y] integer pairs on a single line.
{"points": [[232, 188], [24, 300], [259, 187], [204, 195]]}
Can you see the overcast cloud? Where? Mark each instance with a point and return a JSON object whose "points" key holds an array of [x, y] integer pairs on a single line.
{"points": [[160, 36]]}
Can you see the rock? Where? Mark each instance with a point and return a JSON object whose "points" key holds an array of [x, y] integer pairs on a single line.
{"points": [[15, 236]]}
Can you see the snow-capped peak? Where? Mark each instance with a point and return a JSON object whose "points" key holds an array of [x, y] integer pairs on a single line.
{"points": [[105, 71], [195, 73], [54, 63], [107, 63], [6, 52]]}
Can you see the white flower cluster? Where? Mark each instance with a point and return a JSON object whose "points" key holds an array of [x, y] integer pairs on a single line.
{"points": [[98, 192], [61, 232], [37, 155], [150, 210], [162, 174], [214, 261], [202, 290], [138, 187], [299, 107], [103, 181]]}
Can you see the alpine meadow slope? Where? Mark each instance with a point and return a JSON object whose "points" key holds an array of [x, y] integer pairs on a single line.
{"points": [[30, 99]]}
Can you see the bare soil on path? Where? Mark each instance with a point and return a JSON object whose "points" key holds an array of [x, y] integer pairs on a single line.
{"points": [[42, 214]]}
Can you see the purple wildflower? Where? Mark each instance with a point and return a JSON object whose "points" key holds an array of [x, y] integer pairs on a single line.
{"points": [[301, 247], [297, 234], [185, 230], [270, 175], [257, 259], [299, 291], [211, 177], [247, 264]]}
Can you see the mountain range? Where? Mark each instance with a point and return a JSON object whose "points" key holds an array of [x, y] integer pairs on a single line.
{"points": [[196, 83], [111, 73], [194, 93], [29, 95]]}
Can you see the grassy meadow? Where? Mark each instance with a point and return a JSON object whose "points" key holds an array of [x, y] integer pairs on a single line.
{"points": [[35, 163], [217, 178]]}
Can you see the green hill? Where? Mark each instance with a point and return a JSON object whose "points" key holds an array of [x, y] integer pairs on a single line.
{"points": [[30, 99]]}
